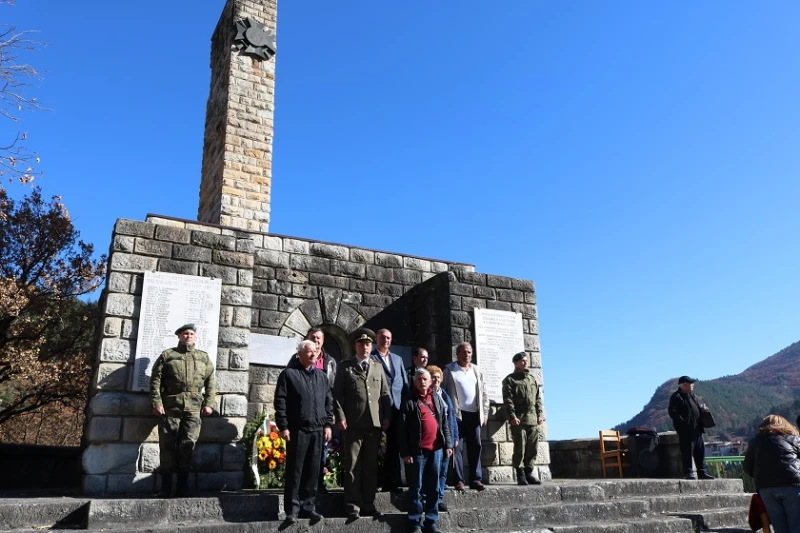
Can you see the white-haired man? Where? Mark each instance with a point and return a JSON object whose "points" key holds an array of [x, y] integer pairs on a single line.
{"points": [[304, 416]]}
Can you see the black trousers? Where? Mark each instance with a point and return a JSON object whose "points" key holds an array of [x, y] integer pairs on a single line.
{"points": [[692, 447], [303, 456], [391, 461], [469, 429]]}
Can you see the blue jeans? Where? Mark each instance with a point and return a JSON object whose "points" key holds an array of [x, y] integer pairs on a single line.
{"points": [[443, 474], [783, 508], [423, 486]]}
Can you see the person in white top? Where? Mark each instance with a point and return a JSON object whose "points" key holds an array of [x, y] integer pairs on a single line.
{"points": [[463, 382]]}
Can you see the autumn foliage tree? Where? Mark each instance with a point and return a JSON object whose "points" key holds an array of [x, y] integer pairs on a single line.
{"points": [[46, 331]]}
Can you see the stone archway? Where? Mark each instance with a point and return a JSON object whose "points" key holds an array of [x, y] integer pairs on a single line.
{"points": [[336, 318]]}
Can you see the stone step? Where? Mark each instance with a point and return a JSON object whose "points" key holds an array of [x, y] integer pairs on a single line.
{"points": [[397, 523], [731, 517], [694, 502], [18, 513], [652, 525], [559, 504]]}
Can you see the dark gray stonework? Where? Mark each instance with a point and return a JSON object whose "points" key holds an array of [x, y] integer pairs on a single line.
{"points": [[279, 285]]}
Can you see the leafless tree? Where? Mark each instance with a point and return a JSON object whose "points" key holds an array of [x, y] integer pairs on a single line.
{"points": [[17, 80]]}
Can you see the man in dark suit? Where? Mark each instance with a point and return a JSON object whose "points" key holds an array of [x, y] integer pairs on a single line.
{"points": [[362, 405], [397, 382]]}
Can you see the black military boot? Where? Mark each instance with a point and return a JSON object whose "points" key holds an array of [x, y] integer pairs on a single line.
{"points": [[182, 489], [166, 485], [530, 478], [521, 477]]}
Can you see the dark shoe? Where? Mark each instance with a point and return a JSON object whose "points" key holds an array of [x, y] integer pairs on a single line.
{"points": [[690, 476], [431, 529], [415, 529], [166, 486], [182, 489], [311, 515], [530, 478], [352, 515], [477, 485], [702, 474], [290, 519], [370, 512], [521, 480], [443, 508], [459, 486]]}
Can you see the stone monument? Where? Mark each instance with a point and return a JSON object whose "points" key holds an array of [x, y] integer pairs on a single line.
{"points": [[272, 287]]}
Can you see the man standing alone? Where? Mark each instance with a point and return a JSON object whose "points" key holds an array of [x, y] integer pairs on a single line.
{"points": [[463, 382], [684, 410], [397, 382], [523, 403], [361, 404], [304, 416], [182, 388]]}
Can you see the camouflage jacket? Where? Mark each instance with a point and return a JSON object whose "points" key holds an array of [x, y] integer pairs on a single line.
{"points": [[522, 398], [183, 379]]}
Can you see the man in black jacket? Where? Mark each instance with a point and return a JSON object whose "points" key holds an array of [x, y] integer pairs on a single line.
{"points": [[304, 416], [684, 410], [423, 435]]}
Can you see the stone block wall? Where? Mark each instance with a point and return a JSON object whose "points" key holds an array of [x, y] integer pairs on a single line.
{"points": [[121, 438], [470, 290], [236, 175], [276, 285], [580, 458]]}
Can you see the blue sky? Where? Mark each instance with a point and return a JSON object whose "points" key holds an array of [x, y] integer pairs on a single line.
{"points": [[638, 160]]}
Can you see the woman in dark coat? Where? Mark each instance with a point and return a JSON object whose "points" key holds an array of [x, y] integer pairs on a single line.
{"points": [[773, 460]]}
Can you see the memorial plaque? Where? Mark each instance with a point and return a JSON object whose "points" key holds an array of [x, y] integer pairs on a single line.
{"points": [[271, 349], [498, 336], [168, 302]]}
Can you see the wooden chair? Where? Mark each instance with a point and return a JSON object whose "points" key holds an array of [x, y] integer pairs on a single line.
{"points": [[611, 451]]}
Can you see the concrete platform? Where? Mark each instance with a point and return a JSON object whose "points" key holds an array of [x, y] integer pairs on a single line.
{"points": [[563, 506]]}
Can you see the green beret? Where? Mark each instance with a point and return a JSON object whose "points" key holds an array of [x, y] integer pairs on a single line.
{"points": [[518, 356], [185, 327]]}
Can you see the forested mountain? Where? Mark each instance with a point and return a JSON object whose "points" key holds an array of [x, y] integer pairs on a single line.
{"points": [[738, 402]]}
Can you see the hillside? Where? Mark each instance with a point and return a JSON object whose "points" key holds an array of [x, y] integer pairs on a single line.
{"points": [[738, 402]]}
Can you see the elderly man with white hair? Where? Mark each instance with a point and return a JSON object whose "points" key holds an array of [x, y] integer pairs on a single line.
{"points": [[304, 416]]}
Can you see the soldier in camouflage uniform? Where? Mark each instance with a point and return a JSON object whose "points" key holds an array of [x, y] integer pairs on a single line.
{"points": [[182, 388], [523, 402]]}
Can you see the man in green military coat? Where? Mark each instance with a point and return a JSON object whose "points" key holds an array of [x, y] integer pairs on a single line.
{"points": [[362, 404], [523, 402], [182, 388]]}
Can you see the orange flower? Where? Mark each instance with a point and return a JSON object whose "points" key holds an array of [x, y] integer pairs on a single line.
{"points": [[273, 435]]}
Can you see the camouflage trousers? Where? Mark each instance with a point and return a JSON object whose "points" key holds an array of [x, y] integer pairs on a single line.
{"points": [[525, 438], [178, 432]]}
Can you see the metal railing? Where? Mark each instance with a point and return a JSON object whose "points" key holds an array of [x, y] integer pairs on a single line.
{"points": [[730, 466]]}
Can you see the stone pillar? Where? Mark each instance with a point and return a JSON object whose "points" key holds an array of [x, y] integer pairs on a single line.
{"points": [[237, 148]]}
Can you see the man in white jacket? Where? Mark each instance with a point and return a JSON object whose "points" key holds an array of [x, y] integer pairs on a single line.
{"points": [[463, 382]]}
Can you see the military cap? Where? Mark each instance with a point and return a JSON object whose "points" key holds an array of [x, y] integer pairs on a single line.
{"points": [[184, 328], [518, 356], [363, 334], [685, 379]]}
